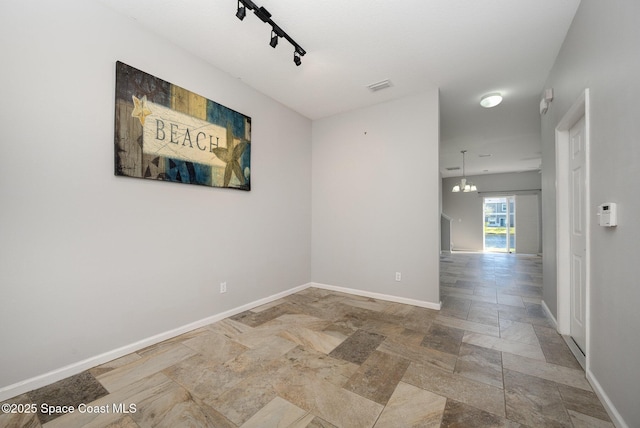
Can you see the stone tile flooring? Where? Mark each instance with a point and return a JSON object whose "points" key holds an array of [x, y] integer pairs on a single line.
{"points": [[317, 358]]}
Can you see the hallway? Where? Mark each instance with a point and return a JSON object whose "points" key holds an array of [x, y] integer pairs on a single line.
{"points": [[543, 383]]}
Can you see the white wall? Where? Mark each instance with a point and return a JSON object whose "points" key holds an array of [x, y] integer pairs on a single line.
{"points": [[375, 199], [601, 53], [90, 262], [466, 208]]}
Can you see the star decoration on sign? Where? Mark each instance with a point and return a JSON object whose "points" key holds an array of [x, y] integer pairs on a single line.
{"points": [[231, 155], [140, 109]]}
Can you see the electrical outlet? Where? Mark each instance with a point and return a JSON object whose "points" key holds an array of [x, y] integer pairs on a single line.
{"points": [[398, 276], [223, 287]]}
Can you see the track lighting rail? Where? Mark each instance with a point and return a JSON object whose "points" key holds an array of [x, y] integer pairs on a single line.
{"points": [[276, 31]]}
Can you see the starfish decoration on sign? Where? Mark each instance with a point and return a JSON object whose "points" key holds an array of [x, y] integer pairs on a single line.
{"points": [[140, 109], [231, 155]]}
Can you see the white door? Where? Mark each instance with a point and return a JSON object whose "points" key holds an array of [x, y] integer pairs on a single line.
{"points": [[577, 215]]}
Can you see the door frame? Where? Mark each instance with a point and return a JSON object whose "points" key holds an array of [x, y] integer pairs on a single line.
{"points": [[580, 108]]}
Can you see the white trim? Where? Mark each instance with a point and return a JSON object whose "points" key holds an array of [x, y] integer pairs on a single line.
{"points": [[389, 298], [48, 378], [562, 241], [549, 314], [466, 250], [604, 398], [580, 108], [615, 416], [568, 340], [575, 350]]}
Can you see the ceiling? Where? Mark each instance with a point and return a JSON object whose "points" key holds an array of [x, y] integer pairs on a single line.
{"points": [[466, 48]]}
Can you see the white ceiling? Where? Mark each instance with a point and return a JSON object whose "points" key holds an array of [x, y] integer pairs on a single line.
{"points": [[466, 48]]}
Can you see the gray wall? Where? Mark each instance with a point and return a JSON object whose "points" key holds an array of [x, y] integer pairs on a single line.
{"points": [[466, 208], [445, 233], [375, 199], [528, 230], [601, 53], [90, 262]]}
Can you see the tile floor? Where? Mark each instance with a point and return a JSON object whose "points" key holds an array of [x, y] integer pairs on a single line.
{"points": [[318, 358]]}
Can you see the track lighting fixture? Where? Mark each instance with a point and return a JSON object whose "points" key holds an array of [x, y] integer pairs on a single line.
{"points": [[242, 11], [276, 32]]}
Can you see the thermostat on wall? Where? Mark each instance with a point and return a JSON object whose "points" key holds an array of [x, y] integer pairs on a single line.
{"points": [[608, 214]]}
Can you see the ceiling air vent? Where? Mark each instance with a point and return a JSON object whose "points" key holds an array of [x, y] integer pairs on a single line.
{"points": [[379, 85]]}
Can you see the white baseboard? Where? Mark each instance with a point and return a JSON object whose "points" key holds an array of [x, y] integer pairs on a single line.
{"points": [[80, 366], [396, 299], [604, 398], [615, 416], [550, 315]]}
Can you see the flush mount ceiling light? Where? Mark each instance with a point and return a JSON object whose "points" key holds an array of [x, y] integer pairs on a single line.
{"points": [[276, 32], [464, 186], [491, 100]]}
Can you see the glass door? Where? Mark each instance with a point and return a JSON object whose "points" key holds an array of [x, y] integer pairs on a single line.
{"points": [[499, 229]]}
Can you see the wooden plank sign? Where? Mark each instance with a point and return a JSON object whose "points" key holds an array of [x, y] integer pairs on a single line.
{"points": [[164, 132]]}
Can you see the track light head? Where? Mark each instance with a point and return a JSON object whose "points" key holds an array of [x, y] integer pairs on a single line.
{"points": [[242, 12], [274, 39], [296, 58]]}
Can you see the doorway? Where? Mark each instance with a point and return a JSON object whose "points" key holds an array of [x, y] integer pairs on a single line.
{"points": [[499, 224], [572, 227]]}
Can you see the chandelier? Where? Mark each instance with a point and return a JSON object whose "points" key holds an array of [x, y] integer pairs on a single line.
{"points": [[464, 186]]}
